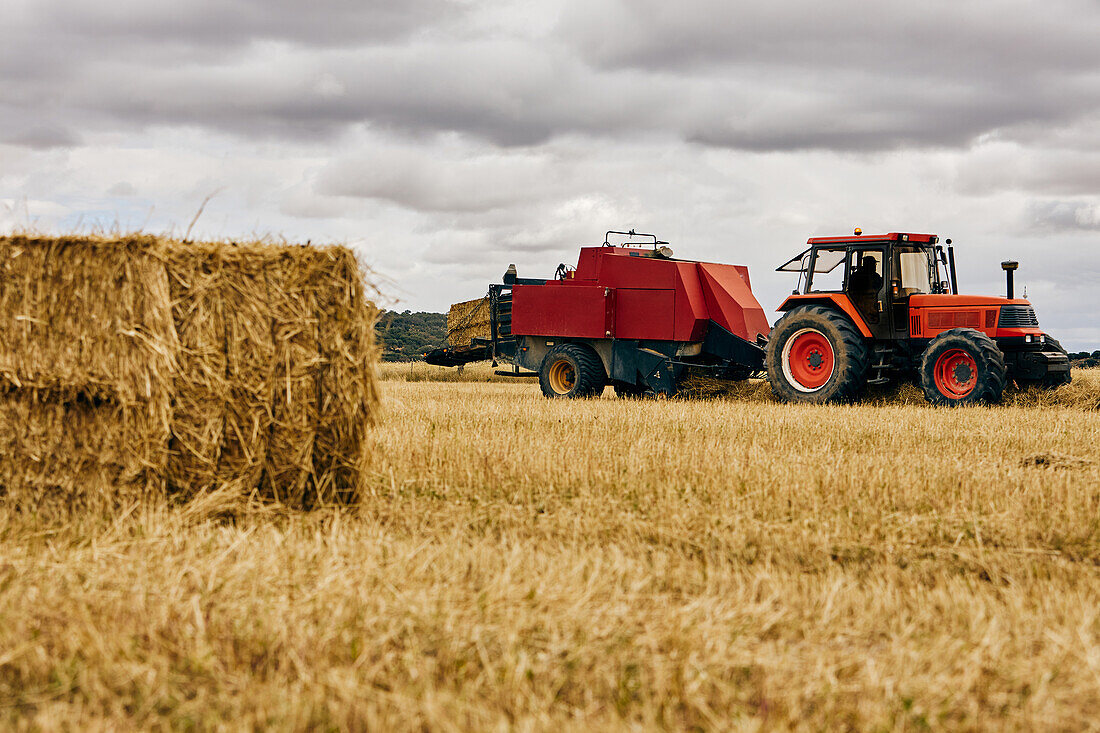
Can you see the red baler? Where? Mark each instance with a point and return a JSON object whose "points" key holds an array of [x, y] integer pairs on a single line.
{"points": [[628, 314]]}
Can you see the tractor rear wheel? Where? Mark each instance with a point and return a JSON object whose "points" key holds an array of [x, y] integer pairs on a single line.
{"points": [[572, 370], [962, 367], [815, 354]]}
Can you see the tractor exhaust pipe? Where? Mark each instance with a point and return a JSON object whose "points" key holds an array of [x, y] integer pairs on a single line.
{"points": [[1010, 266], [951, 264]]}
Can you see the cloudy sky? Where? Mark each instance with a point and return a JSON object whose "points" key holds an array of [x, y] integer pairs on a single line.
{"points": [[444, 139]]}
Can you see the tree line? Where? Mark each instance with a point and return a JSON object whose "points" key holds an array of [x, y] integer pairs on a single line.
{"points": [[407, 336]]}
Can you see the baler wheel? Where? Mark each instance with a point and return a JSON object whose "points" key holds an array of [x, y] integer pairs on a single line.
{"points": [[572, 370], [815, 354], [962, 367]]}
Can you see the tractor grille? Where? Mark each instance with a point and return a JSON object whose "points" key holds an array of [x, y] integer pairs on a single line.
{"points": [[1018, 316]]}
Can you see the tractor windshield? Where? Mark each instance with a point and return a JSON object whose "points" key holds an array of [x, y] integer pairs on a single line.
{"points": [[918, 270]]}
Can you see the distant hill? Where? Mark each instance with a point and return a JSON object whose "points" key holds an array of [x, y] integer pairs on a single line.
{"points": [[406, 336]]}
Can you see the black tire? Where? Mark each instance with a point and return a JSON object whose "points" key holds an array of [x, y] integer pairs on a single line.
{"points": [[572, 370], [818, 381], [629, 391], [962, 367]]}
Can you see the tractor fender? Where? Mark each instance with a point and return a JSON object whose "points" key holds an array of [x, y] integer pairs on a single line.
{"points": [[839, 301]]}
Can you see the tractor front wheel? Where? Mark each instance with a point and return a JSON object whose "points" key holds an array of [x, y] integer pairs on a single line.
{"points": [[815, 354], [572, 370], [962, 367]]}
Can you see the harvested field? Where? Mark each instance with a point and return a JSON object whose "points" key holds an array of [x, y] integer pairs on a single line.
{"points": [[141, 366], [615, 564], [469, 320]]}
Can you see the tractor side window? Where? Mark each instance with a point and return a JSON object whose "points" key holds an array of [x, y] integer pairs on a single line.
{"points": [[865, 282], [828, 274], [916, 273], [865, 271]]}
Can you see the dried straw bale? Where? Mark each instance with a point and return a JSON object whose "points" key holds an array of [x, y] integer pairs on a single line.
{"points": [[469, 320], [87, 356], [277, 383], [132, 367]]}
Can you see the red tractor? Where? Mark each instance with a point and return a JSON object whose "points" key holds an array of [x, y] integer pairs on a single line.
{"points": [[870, 309], [875, 308]]}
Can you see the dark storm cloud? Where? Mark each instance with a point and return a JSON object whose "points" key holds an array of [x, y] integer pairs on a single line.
{"points": [[839, 76], [859, 76], [779, 76], [44, 137], [214, 23]]}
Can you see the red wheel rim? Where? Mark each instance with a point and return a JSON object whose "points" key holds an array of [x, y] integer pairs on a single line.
{"points": [[956, 374], [808, 360]]}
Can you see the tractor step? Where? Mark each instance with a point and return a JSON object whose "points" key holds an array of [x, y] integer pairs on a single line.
{"points": [[884, 354]]}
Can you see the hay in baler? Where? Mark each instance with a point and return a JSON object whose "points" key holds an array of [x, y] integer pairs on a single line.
{"points": [[469, 320], [256, 362]]}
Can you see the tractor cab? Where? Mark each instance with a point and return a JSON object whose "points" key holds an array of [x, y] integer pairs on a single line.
{"points": [[876, 274]]}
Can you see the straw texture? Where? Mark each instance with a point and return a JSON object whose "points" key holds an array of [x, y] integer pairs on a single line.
{"points": [[87, 349], [142, 366]]}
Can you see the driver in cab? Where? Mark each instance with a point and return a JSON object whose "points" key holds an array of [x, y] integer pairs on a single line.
{"points": [[864, 285]]}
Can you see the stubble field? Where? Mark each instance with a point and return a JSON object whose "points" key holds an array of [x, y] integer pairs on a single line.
{"points": [[532, 564]]}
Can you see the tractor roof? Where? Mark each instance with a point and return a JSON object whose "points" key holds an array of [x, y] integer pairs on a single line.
{"points": [[891, 237], [795, 264]]}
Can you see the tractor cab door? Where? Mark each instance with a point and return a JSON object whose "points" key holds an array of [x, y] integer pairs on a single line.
{"points": [[914, 273], [866, 287]]}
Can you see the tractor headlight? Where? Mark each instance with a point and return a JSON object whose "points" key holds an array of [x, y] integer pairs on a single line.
{"points": [[1043, 339], [1027, 339]]}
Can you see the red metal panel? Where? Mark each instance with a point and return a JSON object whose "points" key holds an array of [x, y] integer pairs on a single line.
{"points": [[871, 238], [645, 314], [944, 319], [691, 305], [941, 312], [618, 269], [564, 310], [730, 302], [962, 301]]}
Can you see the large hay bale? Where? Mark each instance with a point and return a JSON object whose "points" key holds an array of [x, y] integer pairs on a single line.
{"points": [[277, 383], [469, 320], [87, 354], [145, 365]]}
